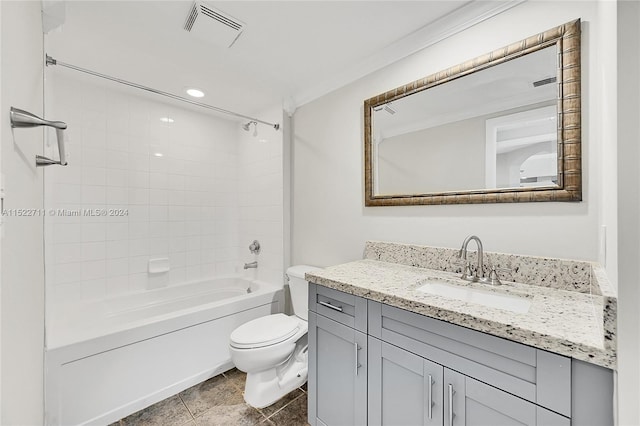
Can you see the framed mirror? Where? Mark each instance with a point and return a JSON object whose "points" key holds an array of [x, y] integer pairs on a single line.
{"points": [[500, 128]]}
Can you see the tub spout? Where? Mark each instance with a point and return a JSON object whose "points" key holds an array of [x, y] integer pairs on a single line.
{"points": [[253, 264]]}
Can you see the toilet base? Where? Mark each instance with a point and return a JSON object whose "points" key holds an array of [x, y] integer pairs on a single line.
{"points": [[263, 388]]}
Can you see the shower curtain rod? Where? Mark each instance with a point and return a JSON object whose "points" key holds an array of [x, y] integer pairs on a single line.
{"points": [[52, 61]]}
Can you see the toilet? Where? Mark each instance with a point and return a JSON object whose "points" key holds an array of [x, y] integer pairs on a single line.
{"points": [[272, 350]]}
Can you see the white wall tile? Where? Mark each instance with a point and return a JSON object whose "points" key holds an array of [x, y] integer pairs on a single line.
{"points": [[138, 196], [194, 272], [177, 275], [66, 253], [92, 194], [138, 264], [139, 247], [117, 231], [138, 282], [116, 177], [178, 260], [116, 160], [94, 269], [117, 285], [67, 233], [68, 193], [117, 141], [117, 267], [158, 180], [138, 162], [170, 199], [158, 197], [94, 251], [116, 195], [67, 273], [94, 157], [94, 289], [158, 229], [139, 230], [117, 249], [94, 232], [94, 176]]}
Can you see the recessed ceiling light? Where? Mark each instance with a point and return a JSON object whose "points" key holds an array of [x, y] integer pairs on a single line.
{"points": [[196, 93], [158, 154], [167, 120]]}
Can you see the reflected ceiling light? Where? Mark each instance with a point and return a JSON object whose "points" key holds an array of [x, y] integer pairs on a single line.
{"points": [[158, 154], [167, 120], [196, 93]]}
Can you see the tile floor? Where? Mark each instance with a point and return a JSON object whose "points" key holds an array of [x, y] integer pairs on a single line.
{"points": [[219, 401]]}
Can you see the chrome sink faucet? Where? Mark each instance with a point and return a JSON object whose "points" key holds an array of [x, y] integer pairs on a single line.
{"points": [[463, 255]]}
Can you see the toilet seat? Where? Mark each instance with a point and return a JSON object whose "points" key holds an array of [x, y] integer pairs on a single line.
{"points": [[265, 331]]}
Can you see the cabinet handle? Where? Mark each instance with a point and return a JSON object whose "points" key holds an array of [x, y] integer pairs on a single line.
{"points": [[356, 349], [451, 392], [430, 396], [330, 306]]}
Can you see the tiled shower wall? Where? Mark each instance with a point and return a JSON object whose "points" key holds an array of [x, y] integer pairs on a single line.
{"points": [[178, 181], [261, 198]]}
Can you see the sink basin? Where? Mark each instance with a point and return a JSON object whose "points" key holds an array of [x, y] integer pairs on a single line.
{"points": [[507, 302]]}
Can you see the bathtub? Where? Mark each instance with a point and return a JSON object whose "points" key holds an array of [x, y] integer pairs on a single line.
{"points": [[107, 359]]}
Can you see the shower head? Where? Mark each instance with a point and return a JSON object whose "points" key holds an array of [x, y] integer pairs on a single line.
{"points": [[247, 126]]}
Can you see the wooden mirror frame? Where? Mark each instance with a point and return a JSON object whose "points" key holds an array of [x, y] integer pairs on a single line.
{"points": [[569, 188]]}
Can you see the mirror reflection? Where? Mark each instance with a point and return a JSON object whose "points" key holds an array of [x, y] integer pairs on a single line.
{"points": [[495, 128]]}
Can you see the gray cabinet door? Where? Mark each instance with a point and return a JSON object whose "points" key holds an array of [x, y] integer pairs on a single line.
{"points": [[404, 389], [468, 402], [338, 374]]}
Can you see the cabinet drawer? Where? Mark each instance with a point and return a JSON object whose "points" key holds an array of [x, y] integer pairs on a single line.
{"points": [[532, 374], [341, 307]]}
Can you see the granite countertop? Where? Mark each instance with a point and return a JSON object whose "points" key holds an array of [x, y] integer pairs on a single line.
{"points": [[570, 323]]}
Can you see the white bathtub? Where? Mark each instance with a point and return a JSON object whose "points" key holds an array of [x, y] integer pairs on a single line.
{"points": [[110, 358]]}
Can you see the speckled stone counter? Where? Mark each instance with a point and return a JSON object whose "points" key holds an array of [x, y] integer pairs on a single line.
{"points": [[578, 323]]}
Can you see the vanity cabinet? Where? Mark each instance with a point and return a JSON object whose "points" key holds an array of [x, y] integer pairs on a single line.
{"points": [[374, 364], [404, 389], [407, 390], [338, 359]]}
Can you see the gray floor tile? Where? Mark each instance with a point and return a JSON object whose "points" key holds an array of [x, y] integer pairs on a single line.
{"points": [[236, 377], [219, 401], [273, 408], [237, 415], [170, 412], [218, 391], [294, 414]]}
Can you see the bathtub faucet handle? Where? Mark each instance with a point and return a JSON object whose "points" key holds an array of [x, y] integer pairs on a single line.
{"points": [[254, 247]]}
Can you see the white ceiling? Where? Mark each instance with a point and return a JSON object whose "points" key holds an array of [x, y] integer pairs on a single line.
{"points": [[289, 51]]}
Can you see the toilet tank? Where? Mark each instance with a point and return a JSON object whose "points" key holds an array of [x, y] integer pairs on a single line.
{"points": [[299, 289]]}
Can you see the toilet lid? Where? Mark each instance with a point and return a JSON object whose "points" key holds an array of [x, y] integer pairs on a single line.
{"points": [[264, 331]]}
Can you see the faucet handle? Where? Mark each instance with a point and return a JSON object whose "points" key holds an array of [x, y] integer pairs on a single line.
{"points": [[467, 270], [254, 247], [493, 277]]}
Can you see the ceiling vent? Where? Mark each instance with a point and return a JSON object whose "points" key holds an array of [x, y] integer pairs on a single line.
{"points": [[213, 25]]}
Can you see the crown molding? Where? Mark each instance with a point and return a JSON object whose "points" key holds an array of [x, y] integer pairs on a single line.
{"points": [[453, 23]]}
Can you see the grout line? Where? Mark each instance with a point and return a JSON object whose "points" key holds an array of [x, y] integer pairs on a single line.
{"points": [[284, 406], [187, 407]]}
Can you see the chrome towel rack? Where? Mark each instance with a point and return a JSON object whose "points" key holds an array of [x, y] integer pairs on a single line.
{"points": [[21, 119]]}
